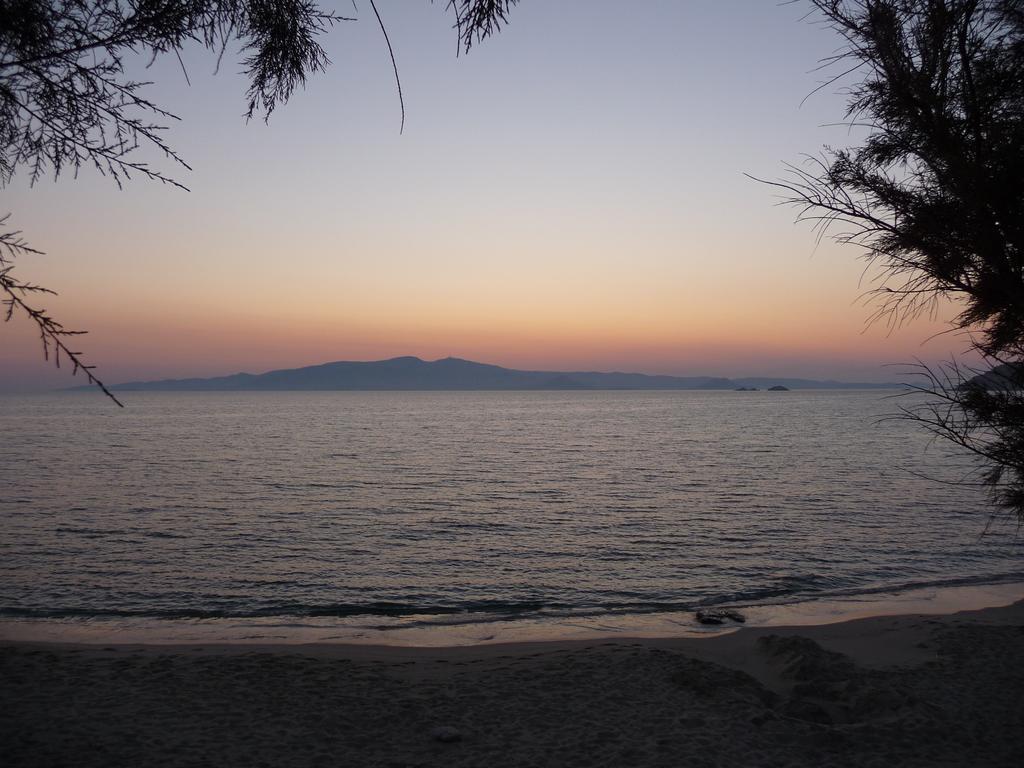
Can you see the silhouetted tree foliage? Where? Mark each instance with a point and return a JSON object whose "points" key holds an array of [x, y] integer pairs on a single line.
{"points": [[935, 197], [478, 19], [66, 101], [52, 335]]}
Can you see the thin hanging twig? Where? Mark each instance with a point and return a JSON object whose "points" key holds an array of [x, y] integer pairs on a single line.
{"points": [[394, 64]]}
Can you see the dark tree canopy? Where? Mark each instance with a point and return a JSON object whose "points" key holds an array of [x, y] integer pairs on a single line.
{"points": [[64, 97], [935, 197], [66, 102]]}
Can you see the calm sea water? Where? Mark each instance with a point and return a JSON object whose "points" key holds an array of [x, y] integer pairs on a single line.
{"points": [[436, 507]]}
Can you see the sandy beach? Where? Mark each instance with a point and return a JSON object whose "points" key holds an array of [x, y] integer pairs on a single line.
{"points": [[914, 690]]}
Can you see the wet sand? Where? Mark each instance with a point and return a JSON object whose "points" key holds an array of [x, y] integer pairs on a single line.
{"points": [[914, 690]]}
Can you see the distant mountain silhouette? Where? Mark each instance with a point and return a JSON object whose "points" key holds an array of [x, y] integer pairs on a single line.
{"points": [[411, 373], [1006, 376]]}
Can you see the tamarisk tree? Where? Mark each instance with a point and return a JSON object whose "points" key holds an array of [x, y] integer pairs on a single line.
{"points": [[934, 197]]}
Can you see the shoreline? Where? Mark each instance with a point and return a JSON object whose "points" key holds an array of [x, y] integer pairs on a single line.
{"points": [[911, 689], [876, 640], [453, 632]]}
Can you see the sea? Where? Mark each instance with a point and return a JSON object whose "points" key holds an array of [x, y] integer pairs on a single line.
{"points": [[434, 517]]}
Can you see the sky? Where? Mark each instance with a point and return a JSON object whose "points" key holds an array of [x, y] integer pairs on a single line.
{"points": [[569, 195]]}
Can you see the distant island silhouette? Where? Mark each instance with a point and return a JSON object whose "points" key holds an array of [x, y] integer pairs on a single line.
{"points": [[451, 373]]}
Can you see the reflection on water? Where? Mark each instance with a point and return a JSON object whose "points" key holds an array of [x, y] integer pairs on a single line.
{"points": [[398, 509]]}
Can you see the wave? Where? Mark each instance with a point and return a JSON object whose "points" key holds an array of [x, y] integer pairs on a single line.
{"points": [[787, 590]]}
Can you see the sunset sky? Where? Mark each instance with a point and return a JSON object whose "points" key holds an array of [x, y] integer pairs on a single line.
{"points": [[570, 195]]}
